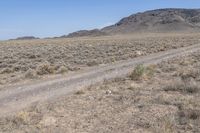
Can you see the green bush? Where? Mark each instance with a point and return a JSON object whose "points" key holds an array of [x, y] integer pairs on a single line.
{"points": [[138, 72], [141, 71]]}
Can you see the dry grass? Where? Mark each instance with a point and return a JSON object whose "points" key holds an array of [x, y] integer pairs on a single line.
{"points": [[183, 87], [55, 56], [163, 103], [166, 102]]}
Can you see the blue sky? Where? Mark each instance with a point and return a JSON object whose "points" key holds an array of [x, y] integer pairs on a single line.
{"points": [[48, 18]]}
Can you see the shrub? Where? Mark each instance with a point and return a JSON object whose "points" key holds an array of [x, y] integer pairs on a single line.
{"points": [[22, 117], [141, 71], [62, 70], [192, 114], [30, 74], [92, 63], [183, 87], [6, 71], [138, 72], [80, 92], [186, 116], [45, 68], [166, 125]]}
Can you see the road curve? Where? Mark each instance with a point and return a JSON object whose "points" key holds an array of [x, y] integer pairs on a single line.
{"points": [[15, 98]]}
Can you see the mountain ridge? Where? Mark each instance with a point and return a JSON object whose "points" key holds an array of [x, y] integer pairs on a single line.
{"points": [[158, 20], [151, 21]]}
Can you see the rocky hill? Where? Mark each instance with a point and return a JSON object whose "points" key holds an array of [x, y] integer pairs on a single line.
{"points": [[160, 20]]}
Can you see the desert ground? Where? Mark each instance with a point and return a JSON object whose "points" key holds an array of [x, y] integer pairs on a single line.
{"points": [[25, 60], [158, 98]]}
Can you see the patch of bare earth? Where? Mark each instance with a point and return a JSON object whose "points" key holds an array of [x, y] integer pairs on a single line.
{"points": [[33, 59], [161, 98]]}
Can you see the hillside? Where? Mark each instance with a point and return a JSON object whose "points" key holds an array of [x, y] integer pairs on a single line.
{"points": [[81, 33], [160, 20]]}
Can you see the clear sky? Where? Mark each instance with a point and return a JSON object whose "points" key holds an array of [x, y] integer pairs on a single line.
{"points": [[47, 18]]}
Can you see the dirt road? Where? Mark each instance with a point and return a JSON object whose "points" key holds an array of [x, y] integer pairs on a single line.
{"points": [[15, 98]]}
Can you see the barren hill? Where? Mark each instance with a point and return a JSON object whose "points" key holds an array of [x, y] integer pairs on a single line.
{"points": [[81, 33], [160, 20], [26, 38]]}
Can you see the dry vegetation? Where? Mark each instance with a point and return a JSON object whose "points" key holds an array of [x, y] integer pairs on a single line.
{"points": [[31, 59], [164, 98]]}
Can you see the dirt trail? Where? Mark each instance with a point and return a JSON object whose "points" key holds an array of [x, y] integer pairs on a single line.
{"points": [[15, 98]]}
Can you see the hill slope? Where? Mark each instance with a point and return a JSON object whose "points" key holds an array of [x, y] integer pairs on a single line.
{"points": [[161, 20], [81, 33]]}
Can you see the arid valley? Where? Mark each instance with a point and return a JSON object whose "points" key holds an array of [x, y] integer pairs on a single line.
{"points": [[140, 75]]}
